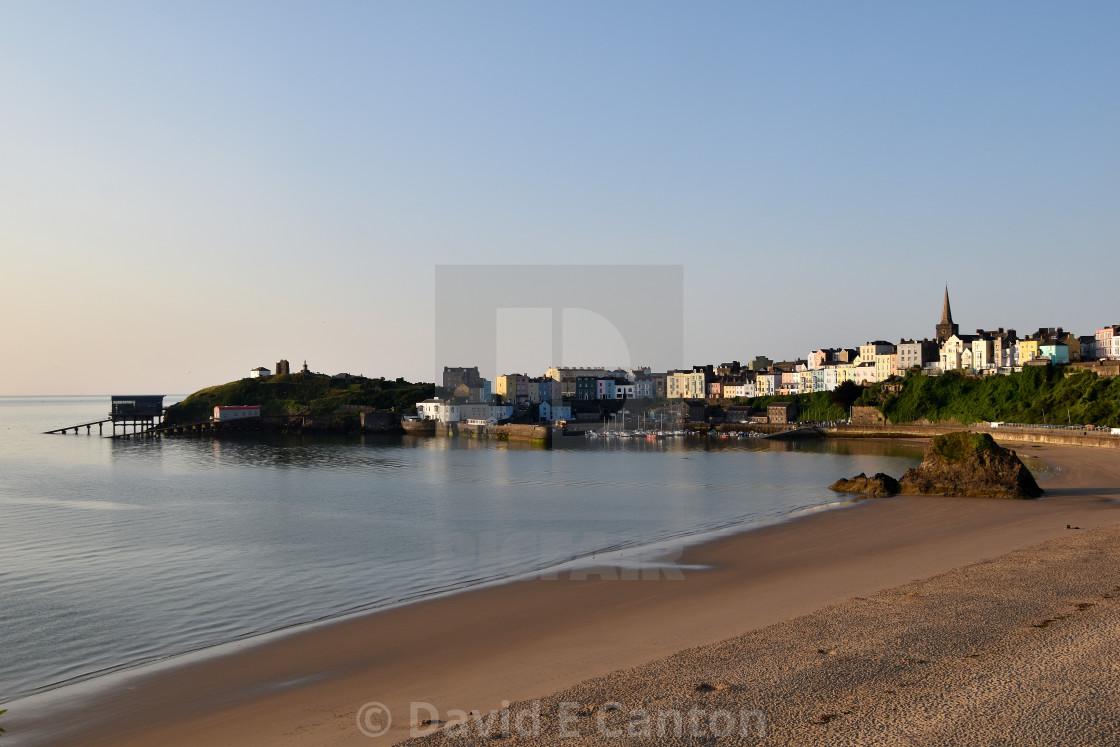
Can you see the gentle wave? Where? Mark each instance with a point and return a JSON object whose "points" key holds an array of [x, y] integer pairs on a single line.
{"points": [[82, 505], [152, 550]]}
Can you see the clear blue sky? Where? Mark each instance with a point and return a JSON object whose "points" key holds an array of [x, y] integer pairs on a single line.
{"points": [[232, 183]]}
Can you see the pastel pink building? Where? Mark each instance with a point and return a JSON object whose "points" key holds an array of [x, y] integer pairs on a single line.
{"points": [[1104, 347]]}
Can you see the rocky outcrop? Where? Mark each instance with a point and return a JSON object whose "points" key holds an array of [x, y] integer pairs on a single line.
{"points": [[880, 484], [972, 465]]}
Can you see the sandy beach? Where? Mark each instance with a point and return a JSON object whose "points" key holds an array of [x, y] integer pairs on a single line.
{"points": [[863, 584]]}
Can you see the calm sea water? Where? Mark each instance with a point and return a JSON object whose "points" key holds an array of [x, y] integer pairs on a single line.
{"points": [[117, 552]]}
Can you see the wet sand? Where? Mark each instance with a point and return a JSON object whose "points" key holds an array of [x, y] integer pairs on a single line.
{"points": [[524, 640], [1019, 650]]}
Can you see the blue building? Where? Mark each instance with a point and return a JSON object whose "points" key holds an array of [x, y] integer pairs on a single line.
{"points": [[1058, 353]]}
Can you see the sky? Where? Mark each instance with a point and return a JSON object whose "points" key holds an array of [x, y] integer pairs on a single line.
{"points": [[191, 190]]}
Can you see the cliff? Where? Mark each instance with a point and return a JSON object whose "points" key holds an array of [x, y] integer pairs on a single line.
{"points": [[972, 465]]}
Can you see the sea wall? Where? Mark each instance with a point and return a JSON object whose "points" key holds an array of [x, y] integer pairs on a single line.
{"points": [[1067, 438], [1057, 437], [511, 432], [380, 422], [740, 427]]}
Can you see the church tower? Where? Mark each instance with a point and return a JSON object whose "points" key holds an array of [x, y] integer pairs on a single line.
{"points": [[946, 328]]}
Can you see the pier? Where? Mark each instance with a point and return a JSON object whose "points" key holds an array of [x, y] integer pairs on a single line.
{"points": [[139, 412], [88, 426]]}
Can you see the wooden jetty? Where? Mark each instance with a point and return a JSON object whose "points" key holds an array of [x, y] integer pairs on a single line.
{"points": [[88, 426], [139, 412]]}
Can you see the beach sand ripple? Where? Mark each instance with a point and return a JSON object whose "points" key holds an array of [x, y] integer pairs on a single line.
{"points": [[1023, 649]]}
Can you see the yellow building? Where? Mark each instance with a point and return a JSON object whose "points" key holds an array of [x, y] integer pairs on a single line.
{"points": [[886, 366], [1028, 351], [685, 385], [512, 387]]}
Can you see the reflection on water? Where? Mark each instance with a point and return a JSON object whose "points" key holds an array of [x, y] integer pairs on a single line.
{"points": [[122, 551]]}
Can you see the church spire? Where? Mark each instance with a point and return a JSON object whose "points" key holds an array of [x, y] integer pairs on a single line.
{"points": [[946, 328]]}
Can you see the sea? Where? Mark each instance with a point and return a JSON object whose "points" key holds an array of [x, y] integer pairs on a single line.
{"points": [[115, 554]]}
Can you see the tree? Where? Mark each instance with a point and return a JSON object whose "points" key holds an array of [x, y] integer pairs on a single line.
{"points": [[846, 394]]}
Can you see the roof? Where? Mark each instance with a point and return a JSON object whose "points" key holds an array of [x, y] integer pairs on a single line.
{"points": [[946, 311]]}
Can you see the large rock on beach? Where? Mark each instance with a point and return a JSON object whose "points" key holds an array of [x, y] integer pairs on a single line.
{"points": [[970, 464], [880, 484]]}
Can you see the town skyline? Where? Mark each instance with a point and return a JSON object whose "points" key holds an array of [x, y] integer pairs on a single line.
{"points": [[944, 328], [1091, 347], [190, 189]]}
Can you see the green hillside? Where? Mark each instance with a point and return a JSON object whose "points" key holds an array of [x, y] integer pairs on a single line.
{"points": [[309, 394], [1038, 394]]}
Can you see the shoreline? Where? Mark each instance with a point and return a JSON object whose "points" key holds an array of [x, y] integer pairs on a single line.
{"points": [[1020, 649], [632, 553], [634, 557], [528, 638]]}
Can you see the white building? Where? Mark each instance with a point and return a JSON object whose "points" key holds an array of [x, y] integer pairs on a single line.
{"points": [[439, 410], [956, 353], [864, 373], [429, 409], [831, 377], [258, 372], [224, 414], [983, 353]]}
